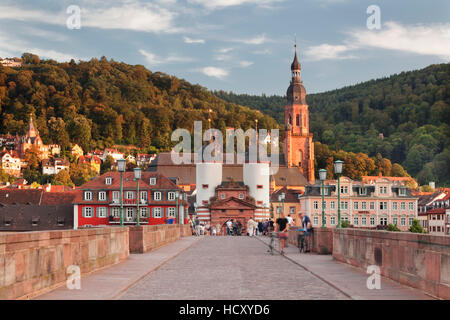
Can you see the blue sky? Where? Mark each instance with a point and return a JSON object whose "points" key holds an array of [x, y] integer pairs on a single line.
{"points": [[245, 46]]}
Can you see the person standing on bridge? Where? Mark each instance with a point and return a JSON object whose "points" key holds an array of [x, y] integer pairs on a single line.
{"points": [[282, 226], [250, 226], [307, 227]]}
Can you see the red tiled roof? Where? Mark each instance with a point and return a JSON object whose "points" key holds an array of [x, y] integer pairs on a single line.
{"points": [[224, 204], [20, 196], [57, 198], [291, 195], [436, 210]]}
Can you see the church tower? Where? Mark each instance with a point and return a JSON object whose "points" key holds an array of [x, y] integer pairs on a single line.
{"points": [[298, 145]]}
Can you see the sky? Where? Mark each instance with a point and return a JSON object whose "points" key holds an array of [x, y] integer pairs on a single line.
{"points": [[244, 46]]}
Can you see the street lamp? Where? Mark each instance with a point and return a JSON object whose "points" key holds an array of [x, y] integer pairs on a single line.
{"points": [[338, 171], [177, 195], [323, 177], [281, 198], [121, 164], [137, 176]]}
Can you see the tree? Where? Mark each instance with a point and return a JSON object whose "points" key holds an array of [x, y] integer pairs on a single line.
{"points": [[398, 171], [416, 227], [107, 165], [32, 158], [30, 58], [58, 133], [80, 173], [63, 178], [80, 131]]}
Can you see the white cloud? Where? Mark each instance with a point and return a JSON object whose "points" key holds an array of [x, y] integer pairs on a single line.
{"points": [[328, 52], [153, 59], [225, 50], [129, 16], [255, 40], [214, 72], [245, 64], [190, 40], [220, 4], [432, 39], [262, 52]]}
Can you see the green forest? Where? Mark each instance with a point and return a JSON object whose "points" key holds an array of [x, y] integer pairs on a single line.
{"points": [[100, 103], [404, 118]]}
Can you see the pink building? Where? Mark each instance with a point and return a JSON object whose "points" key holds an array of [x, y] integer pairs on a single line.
{"points": [[363, 205]]}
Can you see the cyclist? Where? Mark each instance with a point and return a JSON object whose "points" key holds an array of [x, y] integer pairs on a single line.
{"points": [[282, 226], [306, 225]]}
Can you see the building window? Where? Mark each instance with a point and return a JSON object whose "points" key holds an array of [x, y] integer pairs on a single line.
{"points": [[152, 181], [108, 181], [325, 191], [129, 213], [372, 205], [241, 196], [222, 196], [102, 212], [143, 212], [333, 220], [383, 190], [129, 195], [291, 209], [362, 191], [205, 202], [156, 212], [383, 221], [394, 206], [383, 205], [324, 204], [204, 186], [363, 221], [87, 212], [355, 206], [259, 186], [395, 221], [171, 212], [355, 221], [403, 221], [115, 212], [364, 205], [372, 221], [344, 205], [410, 221], [102, 196], [116, 195], [402, 206], [332, 205], [402, 192], [316, 205], [411, 206], [316, 220], [88, 195], [344, 189], [171, 196], [144, 195], [157, 196]]}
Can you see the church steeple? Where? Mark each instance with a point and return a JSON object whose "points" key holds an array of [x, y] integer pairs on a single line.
{"points": [[296, 93], [32, 131]]}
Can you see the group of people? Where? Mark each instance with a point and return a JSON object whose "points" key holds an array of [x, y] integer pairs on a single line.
{"points": [[282, 226], [234, 227]]}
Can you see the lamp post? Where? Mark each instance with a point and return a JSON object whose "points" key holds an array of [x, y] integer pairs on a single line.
{"points": [[281, 198], [323, 177], [121, 164], [177, 195], [338, 171], [137, 176]]}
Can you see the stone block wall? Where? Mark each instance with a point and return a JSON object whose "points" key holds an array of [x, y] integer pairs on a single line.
{"points": [[32, 262], [147, 238], [417, 260], [322, 240]]}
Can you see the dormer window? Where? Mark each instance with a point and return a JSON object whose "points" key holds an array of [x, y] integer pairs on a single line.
{"points": [[241, 196], [108, 181], [152, 181], [362, 191], [88, 195], [402, 192]]}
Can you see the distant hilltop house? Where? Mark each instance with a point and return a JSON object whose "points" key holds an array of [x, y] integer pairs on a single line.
{"points": [[113, 153], [411, 182], [11, 62], [77, 151], [144, 159], [54, 165], [10, 162], [94, 161], [8, 141], [131, 158]]}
